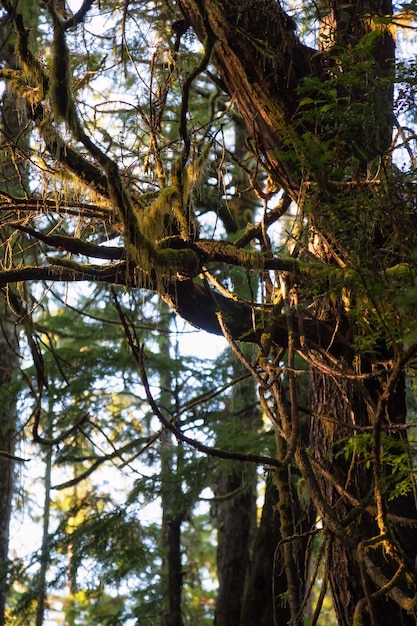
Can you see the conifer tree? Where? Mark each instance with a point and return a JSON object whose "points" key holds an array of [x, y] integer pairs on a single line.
{"points": [[328, 263]]}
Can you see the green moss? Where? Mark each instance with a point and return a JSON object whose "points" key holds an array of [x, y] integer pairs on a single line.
{"points": [[183, 261], [60, 91]]}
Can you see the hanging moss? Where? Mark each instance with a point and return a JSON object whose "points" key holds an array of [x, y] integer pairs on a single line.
{"points": [[60, 82]]}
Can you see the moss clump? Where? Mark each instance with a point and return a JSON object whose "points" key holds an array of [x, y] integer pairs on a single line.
{"points": [[185, 262]]}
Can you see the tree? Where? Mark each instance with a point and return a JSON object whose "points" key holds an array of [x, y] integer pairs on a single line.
{"points": [[331, 302], [13, 180], [93, 427]]}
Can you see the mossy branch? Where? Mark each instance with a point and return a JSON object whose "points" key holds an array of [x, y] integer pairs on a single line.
{"points": [[141, 245], [140, 248], [84, 270], [30, 65], [60, 92]]}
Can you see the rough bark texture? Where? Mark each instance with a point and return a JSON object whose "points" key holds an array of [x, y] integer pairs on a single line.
{"points": [[259, 604], [234, 518], [263, 81], [337, 404], [260, 61], [12, 175], [345, 578]]}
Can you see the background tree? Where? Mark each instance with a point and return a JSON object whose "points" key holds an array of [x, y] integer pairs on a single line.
{"points": [[321, 284], [14, 174]]}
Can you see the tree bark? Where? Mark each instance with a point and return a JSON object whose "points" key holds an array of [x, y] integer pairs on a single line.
{"points": [[13, 173], [8, 369], [339, 406], [234, 520], [260, 61], [265, 93], [259, 605], [172, 498], [235, 490]]}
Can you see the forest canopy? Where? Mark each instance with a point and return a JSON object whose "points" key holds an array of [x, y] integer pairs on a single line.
{"points": [[246, 168]]}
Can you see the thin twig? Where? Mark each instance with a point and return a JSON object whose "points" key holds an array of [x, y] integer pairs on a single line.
{"points": [[138, 354]]}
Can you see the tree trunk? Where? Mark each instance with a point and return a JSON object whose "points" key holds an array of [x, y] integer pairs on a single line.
{"points": [[42, 586], [172, 570], [347, 486], [234, 519], [365, 553], [235, 485], [13, 174], [338, 407], [171, 498], [263, 600], [8, 369]]}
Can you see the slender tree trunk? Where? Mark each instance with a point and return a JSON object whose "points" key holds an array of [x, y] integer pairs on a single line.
{"points": [[172, 571], [13, 176], [265, 589], [8, 369], [236, 484], [44, 554], [235, 516], [172, 500], [73, 558]]}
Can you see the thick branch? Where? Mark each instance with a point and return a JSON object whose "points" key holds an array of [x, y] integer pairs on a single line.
{"points": [[192, 301], [261, 62], [72, 244]]}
